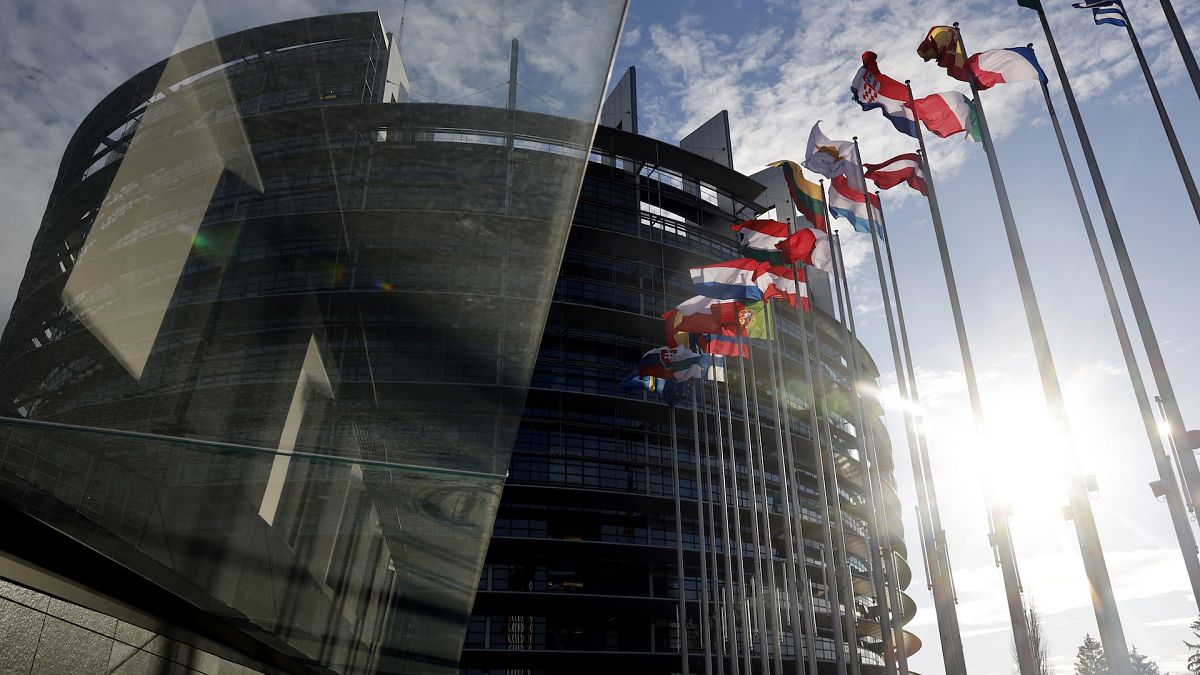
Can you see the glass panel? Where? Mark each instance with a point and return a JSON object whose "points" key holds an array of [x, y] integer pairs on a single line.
{"points": [[282, 295]]}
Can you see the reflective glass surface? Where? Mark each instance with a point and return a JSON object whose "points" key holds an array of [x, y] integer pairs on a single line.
{"points": [[275, 276]]}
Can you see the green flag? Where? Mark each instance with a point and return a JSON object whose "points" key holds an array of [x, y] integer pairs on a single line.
{"points": [[1035, 5], [756, 320]]}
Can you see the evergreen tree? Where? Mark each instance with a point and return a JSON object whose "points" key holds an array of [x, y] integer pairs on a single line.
{"points": [[1194, 656], [1090, 659], [1143, 665]]}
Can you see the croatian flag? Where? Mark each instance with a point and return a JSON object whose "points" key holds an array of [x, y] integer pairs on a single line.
{"points": [[999, 66], [904, 168], [730, 280], [872, 89], [846, 202]]}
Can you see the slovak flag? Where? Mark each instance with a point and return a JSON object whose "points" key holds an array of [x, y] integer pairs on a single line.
{"points": [[872, 89], [730, 280], [846, 202], [904, 168], [679, 363]]}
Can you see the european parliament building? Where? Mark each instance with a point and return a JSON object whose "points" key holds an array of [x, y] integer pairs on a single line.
{"points": [[304, 375]]}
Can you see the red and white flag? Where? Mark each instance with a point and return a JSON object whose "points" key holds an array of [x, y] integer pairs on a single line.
{"points": [[904, 168], [809, 246]]}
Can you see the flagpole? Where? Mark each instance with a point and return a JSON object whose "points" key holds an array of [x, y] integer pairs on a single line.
{"points": [[999, 534], [1185, 50], [743, 602], [784, 488], [682, 625], [885, 527], [730, 615], [794, 573], [867, 462], [1185, 172], [718, 618], [1108, 617], [1189, 469], [701, 497], [1175, 505], [830, 566], [835, 490], [937, 554], [762, 528]]}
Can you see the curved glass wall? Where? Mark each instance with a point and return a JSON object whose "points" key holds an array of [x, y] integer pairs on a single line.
{"points": [[285, 271]]}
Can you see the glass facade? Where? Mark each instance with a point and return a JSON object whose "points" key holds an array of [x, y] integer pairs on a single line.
{"points": [[581, 574], [282, 306]]}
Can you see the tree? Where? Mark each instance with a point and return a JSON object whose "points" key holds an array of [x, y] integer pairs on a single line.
{"points": [[1194, 657], [1090, 659], [1037, 640], [1143, 665]]}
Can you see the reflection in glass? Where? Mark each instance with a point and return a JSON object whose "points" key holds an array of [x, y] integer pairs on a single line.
{"points": [[278, 321]]}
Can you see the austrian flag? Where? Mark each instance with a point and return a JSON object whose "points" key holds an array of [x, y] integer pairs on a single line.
{"points": [[904, 168]]}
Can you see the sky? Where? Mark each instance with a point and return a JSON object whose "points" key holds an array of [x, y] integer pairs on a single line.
{"points": [[778, 67]]}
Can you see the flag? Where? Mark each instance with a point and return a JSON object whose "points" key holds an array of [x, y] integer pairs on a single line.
{"points": [[943, 44], [786, 283], [948, 113], [756, 320], [1031, 4], [729, 280], [999, 66], [673, 363], [757, 239], [829, 157], [872, 89], [700, 314], [635, 382], [1111, 12], [809, 246], [722, 344], [806, 195], [904, 168], [850, 204]]}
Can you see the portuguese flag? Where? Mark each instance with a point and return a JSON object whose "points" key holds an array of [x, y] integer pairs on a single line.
{"points": [[805, 194]]}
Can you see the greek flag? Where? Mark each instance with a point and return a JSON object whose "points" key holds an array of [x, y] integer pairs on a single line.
{"points": [[1105, 11]]}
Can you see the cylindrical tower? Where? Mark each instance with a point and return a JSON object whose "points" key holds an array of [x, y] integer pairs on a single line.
{"points": [[581, 575]]}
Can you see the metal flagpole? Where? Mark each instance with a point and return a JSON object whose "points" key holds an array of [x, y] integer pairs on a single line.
{"points": [[682, 623], [865, 435], [740, 596], [938, 557], [830, 567], [761, 525], [1184, 171], [999, 534], [1175, 505], [705, 542], [1108, 618], [717, 616], [831, 467], [885, 526], [1189, 469], [794, 573], [1185, 50], [730, 616], [774, 616]]}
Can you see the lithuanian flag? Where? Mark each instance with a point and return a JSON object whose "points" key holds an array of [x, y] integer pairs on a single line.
{"points": [[805, 194]]}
